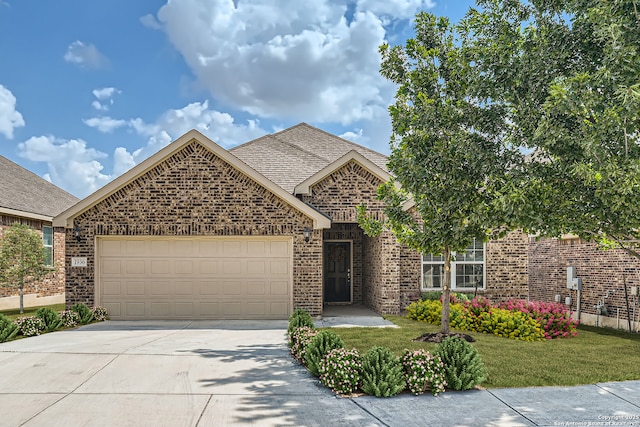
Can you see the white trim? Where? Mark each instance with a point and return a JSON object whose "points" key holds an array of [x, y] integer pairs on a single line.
{"points": [[65, 219], [23, 214]]}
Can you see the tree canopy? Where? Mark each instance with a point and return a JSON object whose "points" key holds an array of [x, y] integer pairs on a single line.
{"points": [[22, 258], [447, 154]]}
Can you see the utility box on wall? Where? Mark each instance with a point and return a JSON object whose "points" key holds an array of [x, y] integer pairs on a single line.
{"points": [[571, 274]]}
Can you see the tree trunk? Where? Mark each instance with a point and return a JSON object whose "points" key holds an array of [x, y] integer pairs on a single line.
{"points": [[21, 298], [446, 290]]}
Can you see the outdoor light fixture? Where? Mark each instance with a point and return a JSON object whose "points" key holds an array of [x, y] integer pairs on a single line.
{"points": [[76, 233], [307, 234]]}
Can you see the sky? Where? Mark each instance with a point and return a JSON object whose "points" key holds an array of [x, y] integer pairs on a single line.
{"points": [[89, 89]]}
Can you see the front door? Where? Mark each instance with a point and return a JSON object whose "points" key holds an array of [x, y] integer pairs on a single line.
{"points": [[337, 272]]}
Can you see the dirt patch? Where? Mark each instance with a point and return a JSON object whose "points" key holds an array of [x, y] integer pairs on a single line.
{"points": [[439, 336]]}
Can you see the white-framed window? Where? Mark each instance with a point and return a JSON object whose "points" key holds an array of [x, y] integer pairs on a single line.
{"points": [[467, 269], [47, 243]]}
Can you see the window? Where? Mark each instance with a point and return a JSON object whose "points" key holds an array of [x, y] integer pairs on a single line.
{"points": [[467, 269], [47, 242]]}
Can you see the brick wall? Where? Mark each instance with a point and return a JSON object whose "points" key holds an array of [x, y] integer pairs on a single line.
{"points": [[507, 262], [600, 271], [381, 289], [195, 193], [53, 284]]}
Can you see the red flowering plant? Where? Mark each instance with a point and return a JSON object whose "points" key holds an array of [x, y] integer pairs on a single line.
{"points": [[554, 318]]}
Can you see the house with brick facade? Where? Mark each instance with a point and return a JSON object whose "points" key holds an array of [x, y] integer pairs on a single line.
{"points": [[26, 198], [200, 232]]}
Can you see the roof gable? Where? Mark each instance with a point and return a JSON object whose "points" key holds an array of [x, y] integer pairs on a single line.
{"points": [[66, 218], [304, 186], [293, 155], [28, 195]]}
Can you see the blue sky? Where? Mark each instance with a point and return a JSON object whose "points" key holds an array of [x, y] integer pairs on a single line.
{"points": [[88, 89]]}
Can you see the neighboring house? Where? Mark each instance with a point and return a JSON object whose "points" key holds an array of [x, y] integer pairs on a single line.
{"points": [[200, 232], [28, 199]]}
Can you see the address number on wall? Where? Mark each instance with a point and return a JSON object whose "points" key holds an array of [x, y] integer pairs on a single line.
{"points": [[78, 262]]}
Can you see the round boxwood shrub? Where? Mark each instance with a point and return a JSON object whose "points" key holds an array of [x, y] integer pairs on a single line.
{"points": [[341, 370], [84, 312], [318, 347], [463, 368], [382, 374]]}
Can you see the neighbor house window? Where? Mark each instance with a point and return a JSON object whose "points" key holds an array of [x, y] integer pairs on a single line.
{"points": [[467, 269], [47, 242]]}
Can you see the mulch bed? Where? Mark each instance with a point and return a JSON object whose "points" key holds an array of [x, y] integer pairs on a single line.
{"points": [[439, 336]]}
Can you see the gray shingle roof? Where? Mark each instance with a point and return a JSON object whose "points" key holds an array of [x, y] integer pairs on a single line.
{"points": [[25, 191], [290, 156]]}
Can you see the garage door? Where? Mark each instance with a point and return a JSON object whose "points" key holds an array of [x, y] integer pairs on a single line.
{"points": [[204, 278]]}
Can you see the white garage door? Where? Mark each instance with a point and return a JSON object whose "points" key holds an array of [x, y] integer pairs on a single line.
{"points": [[195, 278]]}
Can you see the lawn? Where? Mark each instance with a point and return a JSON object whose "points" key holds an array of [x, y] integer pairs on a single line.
{"points": [[595, 355], [30, 311]]}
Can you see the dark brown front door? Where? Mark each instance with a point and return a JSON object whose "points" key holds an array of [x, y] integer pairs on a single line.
{"points": [[337, 272]]}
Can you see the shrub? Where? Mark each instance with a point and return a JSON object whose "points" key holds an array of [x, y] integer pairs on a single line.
{"points": [[300, 339], [318, 347], [554, 318], [50, 318], [99, 314], [510, 324], [382, 374], [341, 369], [8, 329], [69, 318], [84, 313], [463, 368], [30, 326], [423, 371], [429, 311], [298, 318]]}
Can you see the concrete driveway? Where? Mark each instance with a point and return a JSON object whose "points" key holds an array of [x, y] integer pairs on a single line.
{"points": [[239, 373]]}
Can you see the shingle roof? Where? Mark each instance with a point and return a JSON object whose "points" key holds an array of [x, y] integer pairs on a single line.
{"points": [[25, 191], [290, 156]]}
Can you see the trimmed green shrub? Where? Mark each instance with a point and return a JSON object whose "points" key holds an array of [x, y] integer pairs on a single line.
{"points": [[318, 347], [423, 371], [300, 339], [30, 326], [340, 370], [509, 324], [8, 329], [463, 368], [50, 318], [382, 373], [99, 314], [298, 318], [84, 312], [429, 311]]}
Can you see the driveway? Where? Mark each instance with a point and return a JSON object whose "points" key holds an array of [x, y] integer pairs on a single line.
{"points": [[210, 373]]}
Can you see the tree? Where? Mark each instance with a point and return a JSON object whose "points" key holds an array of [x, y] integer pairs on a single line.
{"points": [[448, 159], [567, 72], [22, 258]]}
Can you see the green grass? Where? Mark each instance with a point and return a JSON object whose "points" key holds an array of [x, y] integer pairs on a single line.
{"points": [[595, 355], [30, 311]]}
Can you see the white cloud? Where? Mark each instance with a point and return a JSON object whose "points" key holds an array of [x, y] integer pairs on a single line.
{"points": [[71, 165], [219, 127], [304, 60], [105, 92], [151, 22], [99, 107], [85, 55], [10, 118], [104, 124]]}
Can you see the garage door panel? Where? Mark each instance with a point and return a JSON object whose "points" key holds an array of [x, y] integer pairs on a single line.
{"points": [[198, 278]]}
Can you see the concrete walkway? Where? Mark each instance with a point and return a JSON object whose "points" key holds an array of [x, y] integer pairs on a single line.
{"points": [[239, 373]]}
